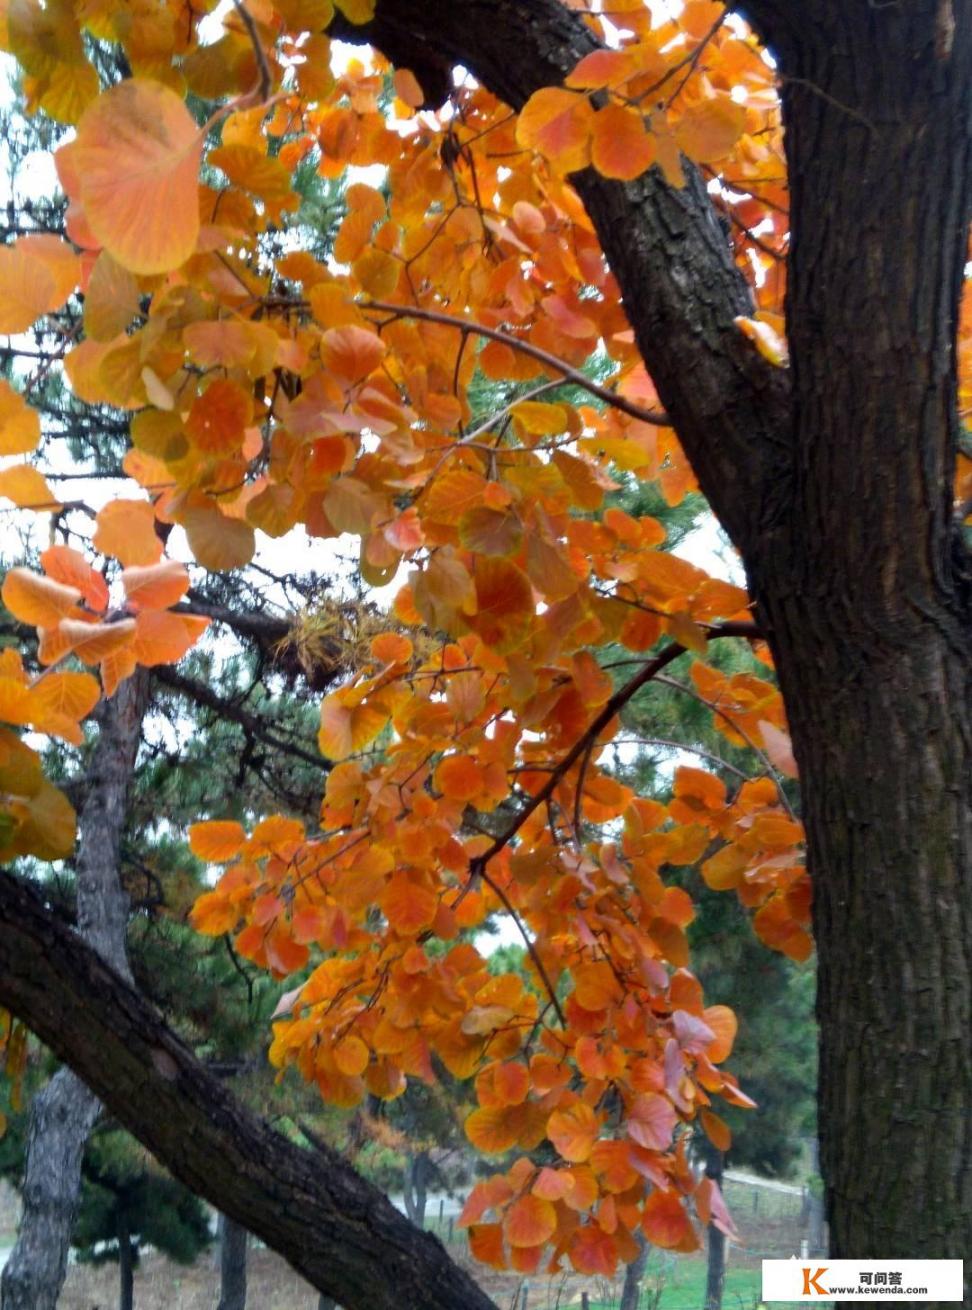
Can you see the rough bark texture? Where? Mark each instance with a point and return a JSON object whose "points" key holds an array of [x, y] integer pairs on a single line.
{"points": [[864, 589], [337, 1230], [232, 1265], [63, 1114]]}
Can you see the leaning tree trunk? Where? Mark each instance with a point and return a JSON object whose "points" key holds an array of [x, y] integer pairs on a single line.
{"points": [[865, 591], [233, 1239], [63, 1114]]}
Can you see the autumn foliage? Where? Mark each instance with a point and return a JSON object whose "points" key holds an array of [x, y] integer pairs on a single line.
{"points": [[467, 772]]}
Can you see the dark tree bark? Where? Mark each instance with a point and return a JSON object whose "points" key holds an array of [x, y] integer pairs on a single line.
{"points": [[233, 1240], [633, 1276], [337, 1230], [64, 1112], [715, 1274], [865, 590], [126, 1263], [415, 1191], [835, 481]]}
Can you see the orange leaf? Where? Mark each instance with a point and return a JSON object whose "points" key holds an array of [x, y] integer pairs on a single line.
{"points": [[217, 840], [348, 728], [530, 1221], [162, 637], [27, 488], [494, 1129], [126, 530], [351, 1056], [213, 914], [486, 1245], [717, 1130], [66, 565], [155, 586], [19, 424], [218, 417], [665, 1223], [557, 123], [460, 777], [723, 1023], [600, 68], [350, 353], [620, 146], [573, 1131], [136, 158], [93, 642], [593, 1251], [595, 986], [407, 906], [709, 130], [38, 600]]}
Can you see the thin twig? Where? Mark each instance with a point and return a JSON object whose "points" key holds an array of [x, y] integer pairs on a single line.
{"points": [[266, 77], [569, 374]]}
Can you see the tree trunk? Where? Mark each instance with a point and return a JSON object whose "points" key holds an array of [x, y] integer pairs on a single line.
{"points": [[864, 590], [715, 1276], [64, 1112], [416, 1187], [126, 1263], [232, 1265], [337, 1230], [633, 1276]]}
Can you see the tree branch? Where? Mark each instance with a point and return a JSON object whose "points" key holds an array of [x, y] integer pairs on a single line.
{"points": [[572, 375], [336, 1230], [251, 724]]}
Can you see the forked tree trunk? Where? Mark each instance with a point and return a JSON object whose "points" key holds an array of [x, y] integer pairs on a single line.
{"points": [[64, 1112], [233, 1241]]}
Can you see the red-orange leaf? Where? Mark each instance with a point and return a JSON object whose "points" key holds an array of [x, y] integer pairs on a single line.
{"points": [[530, 1221]]}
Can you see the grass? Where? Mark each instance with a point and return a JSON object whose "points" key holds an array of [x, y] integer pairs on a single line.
{"points": [[683, 1288]]}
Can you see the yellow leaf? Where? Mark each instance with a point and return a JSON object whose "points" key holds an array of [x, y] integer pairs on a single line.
{"points": [[27, 488], [111, 300], [217, 541], [19, 424], [709, 130], [26, 288], [126, 530], [136, 158], [38, 600]]}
